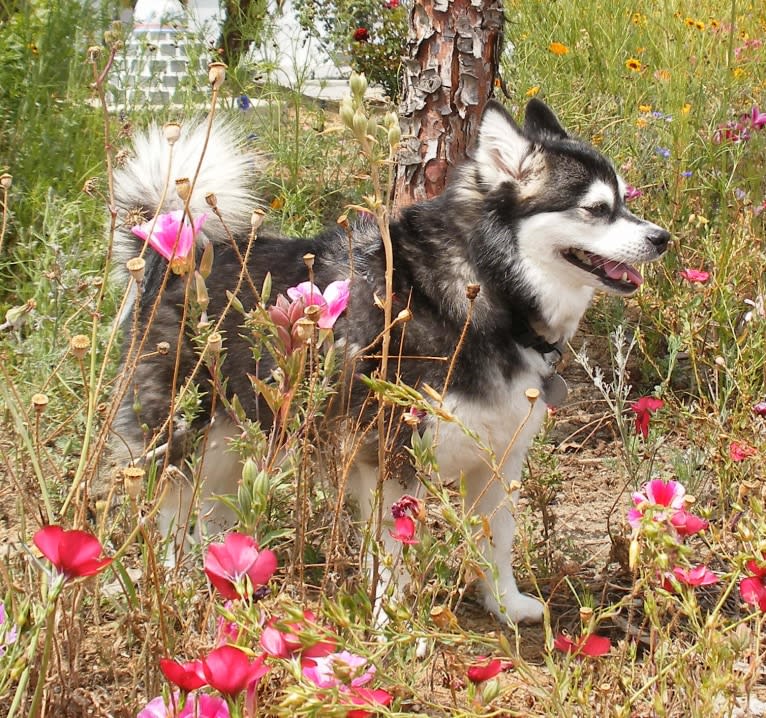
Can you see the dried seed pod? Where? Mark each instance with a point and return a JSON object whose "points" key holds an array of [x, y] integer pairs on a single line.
{"points": [[79, 345], [172, 131], [216, 74], [6, 180], [39, 402], [137, 267], [183, 188]]}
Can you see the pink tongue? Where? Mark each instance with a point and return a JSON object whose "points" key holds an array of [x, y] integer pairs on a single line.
{"points": [[615, 270]]}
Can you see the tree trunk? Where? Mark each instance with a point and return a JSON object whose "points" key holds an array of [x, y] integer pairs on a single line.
{"points": [[449, 75]]}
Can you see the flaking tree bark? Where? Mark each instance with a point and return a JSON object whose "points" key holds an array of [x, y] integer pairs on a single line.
{"points": [[450, 72]]}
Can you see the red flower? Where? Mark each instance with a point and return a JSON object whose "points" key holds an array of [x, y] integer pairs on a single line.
{"points": [[237, 567], [588, 645], [760, 408], [187, 676], [752, 588], [230, 671], [404, 530], [73, 553], [696, 276], [643, 409], [739, 451], [485, 668], [393, 4], [361, 696], [699, 576], [687, 524], [361, 34]]}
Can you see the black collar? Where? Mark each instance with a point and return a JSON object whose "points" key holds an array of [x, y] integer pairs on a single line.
{"points": [[523, 334]]}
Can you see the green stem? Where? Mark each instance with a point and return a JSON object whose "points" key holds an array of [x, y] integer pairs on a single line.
{"points": [[34, 711]]}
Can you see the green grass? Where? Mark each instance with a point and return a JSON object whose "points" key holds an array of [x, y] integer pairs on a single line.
{"points": [[649, 83]]}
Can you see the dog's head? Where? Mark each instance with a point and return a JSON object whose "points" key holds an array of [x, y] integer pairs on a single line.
{"points": [[560, 201]]}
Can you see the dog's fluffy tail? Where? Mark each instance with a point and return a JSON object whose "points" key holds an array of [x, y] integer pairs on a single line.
{"points": [[139, 185]]}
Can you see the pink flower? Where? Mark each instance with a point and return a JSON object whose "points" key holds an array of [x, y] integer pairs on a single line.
{"points": [[695, 275], [173, 236], [196, 705], [687, 524], [187, 676], [752, 588], [404, 530], [339, 669], [73, 553], [367, 697], [407, 505], [230, 671], [237, 566], [332, 303], [739, 451], [632, 193], [485, 668], [643, 409], [667, 494], [292, 641], [587, 645], [699, 576], [760, 408]]}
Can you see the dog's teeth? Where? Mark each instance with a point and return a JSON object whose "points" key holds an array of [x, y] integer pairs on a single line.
{"points": [[582, 256], [624, 277]]}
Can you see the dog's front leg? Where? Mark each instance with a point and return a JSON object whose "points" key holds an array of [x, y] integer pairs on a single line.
{"points": [[489, 498]]}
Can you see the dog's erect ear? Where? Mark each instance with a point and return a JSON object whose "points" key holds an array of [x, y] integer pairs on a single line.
{"points": [[540, 121], [502, 145]]}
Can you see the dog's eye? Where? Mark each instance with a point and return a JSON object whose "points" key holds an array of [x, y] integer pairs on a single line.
{"points": [[602, 209]]}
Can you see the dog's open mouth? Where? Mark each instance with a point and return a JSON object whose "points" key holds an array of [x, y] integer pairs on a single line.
{"points": [[616, 275]]}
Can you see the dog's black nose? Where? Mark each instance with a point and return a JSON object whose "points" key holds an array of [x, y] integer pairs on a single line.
{"points": [[660, 238]]}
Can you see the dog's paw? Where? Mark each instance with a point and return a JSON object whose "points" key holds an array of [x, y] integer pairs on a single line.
{"points": [[516, 608]]}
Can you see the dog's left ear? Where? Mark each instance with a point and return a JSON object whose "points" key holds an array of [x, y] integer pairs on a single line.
{"points": [[540, 121]]}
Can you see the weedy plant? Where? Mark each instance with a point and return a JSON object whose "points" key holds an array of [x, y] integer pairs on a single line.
{"points": [[275, 617]]}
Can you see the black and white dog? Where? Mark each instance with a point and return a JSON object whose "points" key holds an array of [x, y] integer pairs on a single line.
{"points": [[536, 218]]}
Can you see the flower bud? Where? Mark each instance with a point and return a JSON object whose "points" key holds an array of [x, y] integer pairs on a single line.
{"points": [[216, 74], [183, 188], [372, 127], [394, 137], [347, 112], [359, 124], [172, 131], [206, 260], [633, 554], [79, 345], [136, 266], [358, 83], [6, 180], [203, 299]]}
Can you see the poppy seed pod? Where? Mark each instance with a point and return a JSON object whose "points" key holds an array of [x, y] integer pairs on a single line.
{"points": [[39, 402], [172, 131], [183, 188], [6, 180], [79, 345], [137, 267], [216, 74]]}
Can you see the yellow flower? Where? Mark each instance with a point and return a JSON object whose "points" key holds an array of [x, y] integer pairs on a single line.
{"points": [[633, 64], [641, 123], [715, 24], [699, 25], [686, 108], [558, 48], [644, 108], [689, 22], [738, 72], [532, 91], [597, 140], [638, 19]]}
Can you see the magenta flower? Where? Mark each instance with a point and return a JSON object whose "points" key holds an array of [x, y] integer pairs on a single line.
{"points": [[485, 668], [757, 118], [237, 566], [687, 524], [407, 505], [739, 451], [291, 641], [230, 671], [371, 697], [587, 645], [73, 553], [752, 588], [656, 493], [695, 276], [698, 576], [173, 236], [332, 303], [643, 409], [403, 531], [632, 193], [760, 408]]}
